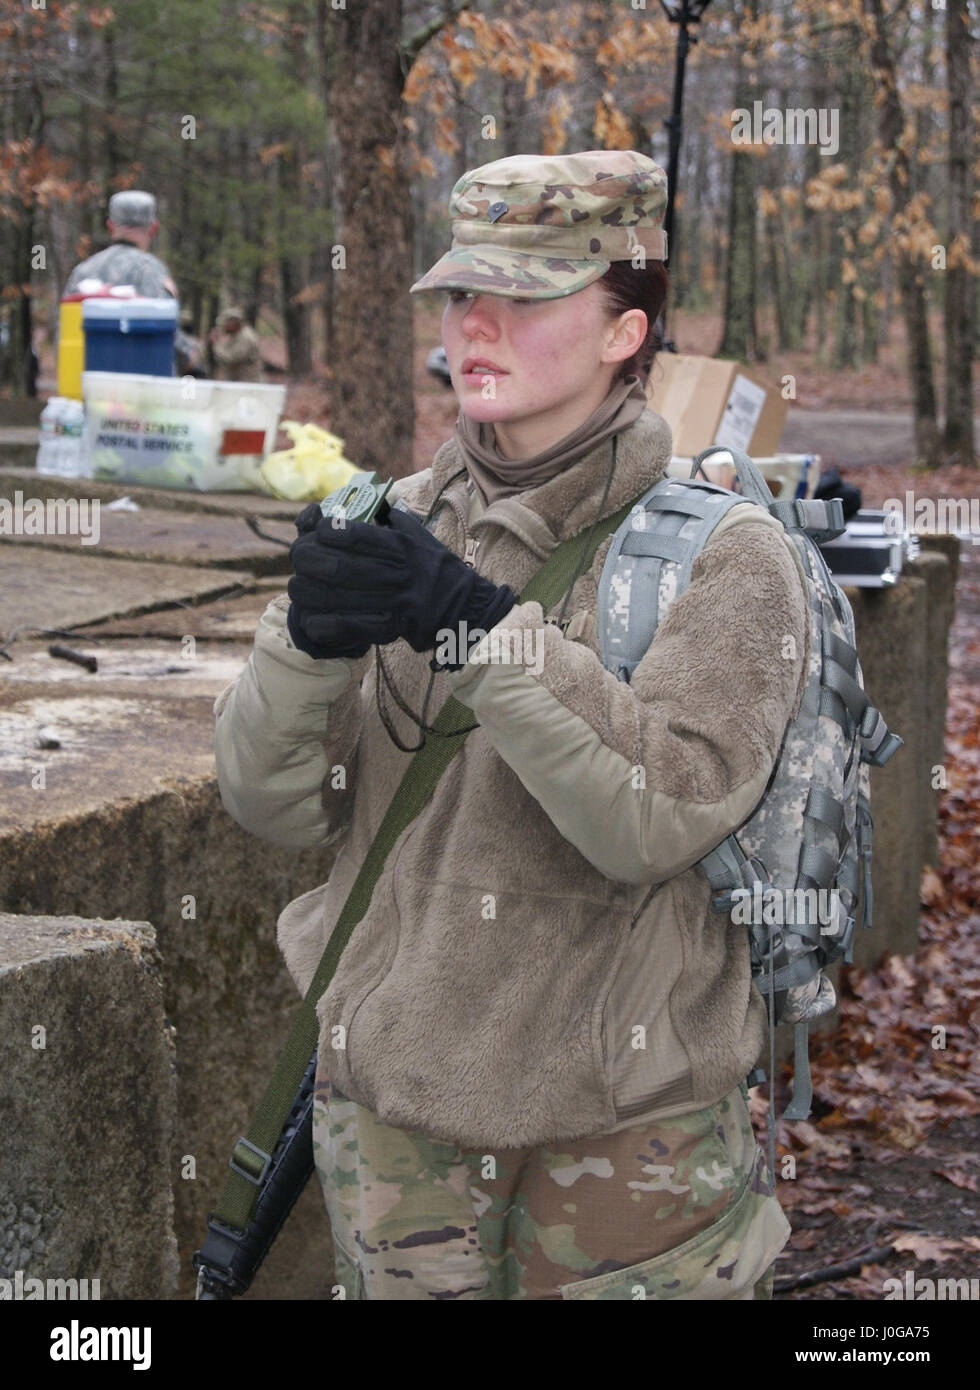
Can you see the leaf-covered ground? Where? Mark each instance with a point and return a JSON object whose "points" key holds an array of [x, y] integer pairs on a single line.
{"points": [[888, 1167]]}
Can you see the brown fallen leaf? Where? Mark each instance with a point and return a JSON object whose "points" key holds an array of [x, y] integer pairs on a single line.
{"points": [[931, 890], [956, 1095], [900, 971], [804, 1240], [834, 1204], [807, 1135], [927, 1247], [875, 1079], [958, 1178]]}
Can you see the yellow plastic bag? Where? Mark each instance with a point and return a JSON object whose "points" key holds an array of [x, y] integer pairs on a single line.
{"points": [[314, 467]]}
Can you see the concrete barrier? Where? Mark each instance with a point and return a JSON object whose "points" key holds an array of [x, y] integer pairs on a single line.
{"points": [[87, 1111], [903, 640], [127, 822], [938, 565], [225, 988], [21, 413], [891, 641]]}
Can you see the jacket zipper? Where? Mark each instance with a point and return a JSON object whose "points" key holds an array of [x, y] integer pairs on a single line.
{"points": [[470, 544]]}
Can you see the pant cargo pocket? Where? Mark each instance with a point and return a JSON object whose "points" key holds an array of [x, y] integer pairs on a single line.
{"points": [[725, 1261]]}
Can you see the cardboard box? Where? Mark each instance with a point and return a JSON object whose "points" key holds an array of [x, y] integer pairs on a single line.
{"points": [[709, 401]]}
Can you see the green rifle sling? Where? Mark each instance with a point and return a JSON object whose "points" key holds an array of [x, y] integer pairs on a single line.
{"points": [[250, 1154]]}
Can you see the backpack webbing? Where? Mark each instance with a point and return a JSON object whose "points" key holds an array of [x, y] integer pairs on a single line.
{"points": [[631, 592], [674, 522]]}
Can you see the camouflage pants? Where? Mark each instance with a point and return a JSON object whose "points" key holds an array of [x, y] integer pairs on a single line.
{"points": [[678, 1209]]}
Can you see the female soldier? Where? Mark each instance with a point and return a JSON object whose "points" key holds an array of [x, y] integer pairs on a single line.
{"points": [[533, 1051]]}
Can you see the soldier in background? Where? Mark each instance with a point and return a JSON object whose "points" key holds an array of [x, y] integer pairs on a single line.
{"points": [[235, 348], [188, 348], [133, 227]]}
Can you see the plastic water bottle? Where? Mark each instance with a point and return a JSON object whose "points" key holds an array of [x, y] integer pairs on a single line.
{"points": [[70, 463], [47, 454]]}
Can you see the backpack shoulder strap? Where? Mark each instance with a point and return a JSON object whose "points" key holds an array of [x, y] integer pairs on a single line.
{"points": [[649, 563], [822, 519]]}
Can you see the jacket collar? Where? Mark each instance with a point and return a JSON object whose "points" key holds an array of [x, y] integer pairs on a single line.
{"points": [[566, 504]]}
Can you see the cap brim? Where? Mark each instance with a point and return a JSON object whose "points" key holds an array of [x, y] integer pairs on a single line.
{"points": [[511, 274]]}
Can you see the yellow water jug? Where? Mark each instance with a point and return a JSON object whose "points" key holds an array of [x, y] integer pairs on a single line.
{"points": [[71, 347]]}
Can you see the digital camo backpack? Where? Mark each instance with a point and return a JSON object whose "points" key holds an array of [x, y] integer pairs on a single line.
{"points": [[797, 872]]}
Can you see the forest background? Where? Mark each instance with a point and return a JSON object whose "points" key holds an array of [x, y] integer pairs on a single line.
{"points": [[303, 152]]}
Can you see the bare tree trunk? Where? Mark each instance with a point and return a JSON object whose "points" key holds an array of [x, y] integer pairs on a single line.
{"points": [[925, 116], [740, 337], [852, 89], [27, 112], [461, 122], [809, 273], [293, 263], [592, 82], [870, 334], [514, 107], [693, 248], [891, 129], [960, 302], [322, 255], [213, 228], [772, 228], [110, 116], [372, 406]]}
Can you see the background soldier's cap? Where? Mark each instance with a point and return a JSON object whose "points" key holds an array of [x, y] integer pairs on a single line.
{"points": [[133, 209], [233, 312], [543, 226]]}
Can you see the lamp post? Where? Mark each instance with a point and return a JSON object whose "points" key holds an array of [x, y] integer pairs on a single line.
{"points": [[683, 13]]}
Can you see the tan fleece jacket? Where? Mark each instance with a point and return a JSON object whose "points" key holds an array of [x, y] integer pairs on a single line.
{"points": [[539, 960]]}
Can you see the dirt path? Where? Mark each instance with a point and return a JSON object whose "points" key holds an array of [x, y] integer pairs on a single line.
{"points": [[852, 438]]}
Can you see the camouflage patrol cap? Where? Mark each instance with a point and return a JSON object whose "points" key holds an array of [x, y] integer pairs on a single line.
{"points": [[133, 208], [232, 312], [545, 226]]}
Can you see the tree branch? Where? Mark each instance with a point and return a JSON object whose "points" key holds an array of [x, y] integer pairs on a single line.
{"points": [[871, 1256], [412, 47]]}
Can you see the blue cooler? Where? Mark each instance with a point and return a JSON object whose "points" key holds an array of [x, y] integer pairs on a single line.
{"points": [[130, 335]]}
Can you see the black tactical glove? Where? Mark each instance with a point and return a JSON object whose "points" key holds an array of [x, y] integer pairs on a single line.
{"points": [[299, 618], [364, 583]]}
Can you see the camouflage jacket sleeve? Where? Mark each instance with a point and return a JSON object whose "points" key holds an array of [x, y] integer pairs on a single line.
{"points": [[645, 778], [280, 728]]}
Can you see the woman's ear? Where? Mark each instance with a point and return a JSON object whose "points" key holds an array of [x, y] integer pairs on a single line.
{"points": [[625, 337]]}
